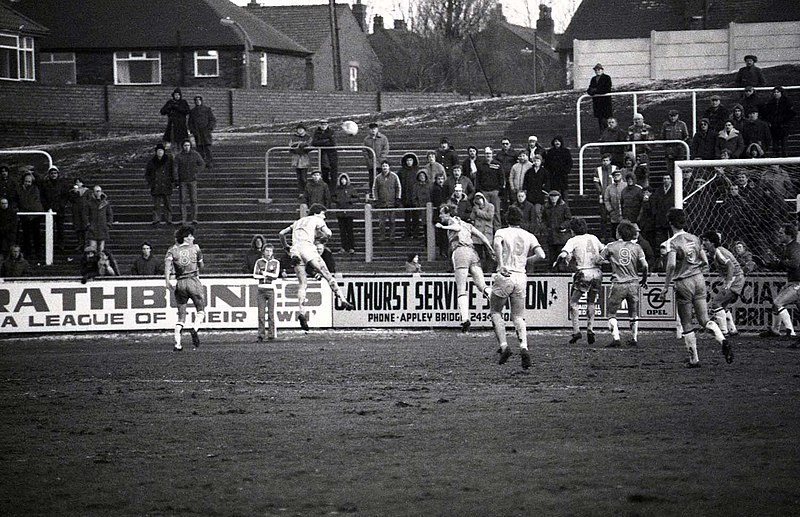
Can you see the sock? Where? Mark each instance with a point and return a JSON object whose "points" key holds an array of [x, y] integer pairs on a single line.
{"points": [[178, 330], [463, 308], [730, 321], [635, 329], [522, 335], [199, 319], [786, 319], [678, 329], [721, 319], [589, 317], [576, 324], [713, 327], [613, 326], [691, 345]]}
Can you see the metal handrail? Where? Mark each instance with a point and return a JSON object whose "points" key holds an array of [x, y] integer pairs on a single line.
{"points": [[636, 93], [629, 143], [48, 233], [360, 148], [31, 151]]}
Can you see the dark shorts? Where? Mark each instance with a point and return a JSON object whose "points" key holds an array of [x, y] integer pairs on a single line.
{"points": [[690, 289], [725, 297], [190, 289], [624, 291]]}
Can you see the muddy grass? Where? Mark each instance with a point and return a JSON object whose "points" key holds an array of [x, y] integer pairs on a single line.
{"points": [[377, 423]]}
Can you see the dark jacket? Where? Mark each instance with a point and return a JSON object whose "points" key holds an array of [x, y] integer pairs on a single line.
{"points": [[704, 145], [601, 106], [317, 192], [99, 218], [778, 113], [150, 266], [631, 201], [716, 117], [79, 199], [201, 123], [344, 196], [558, 162], [187, 166], [447, 157], [534, 185], [749, 76], [29, 200], [15, 267], [529, 220], [732, 141], [92, 267], [324, 138], [421, 191], [54, 194], [407, 175], [489, 177], [757, 131], [553, 218], [253, 253], [176, 112], [158, 175]]}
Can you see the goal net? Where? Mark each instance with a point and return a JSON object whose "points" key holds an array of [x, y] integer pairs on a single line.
{"points": [[743, 200]]}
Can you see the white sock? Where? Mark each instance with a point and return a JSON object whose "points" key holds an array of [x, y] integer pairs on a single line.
{"points": [[463, 307], [786, 319], [178, 329], [519, 325], [721, 319], [613, 326], [199, 320], [730, 321], [635, 329], [678, 329], [713, 327], [691, 345]]}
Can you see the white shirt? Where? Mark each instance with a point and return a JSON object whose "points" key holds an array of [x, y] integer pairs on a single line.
{"points": [[586, 249], [516, 245]]}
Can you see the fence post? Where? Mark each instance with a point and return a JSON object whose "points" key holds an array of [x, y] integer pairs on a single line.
{"points": [[367, 233], [48, 237], [430, 232]]}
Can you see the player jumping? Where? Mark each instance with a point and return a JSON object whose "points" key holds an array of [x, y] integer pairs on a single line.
{"points": [[624, 255], [465, 259], [585, 248], [186, 260], [685, 262], [305, 232], [512, 247], [790, 262], [731, 287]]}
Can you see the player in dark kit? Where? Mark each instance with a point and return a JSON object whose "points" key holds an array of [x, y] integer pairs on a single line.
{"points": [[186, 260], [685, 262], [624, 256]]}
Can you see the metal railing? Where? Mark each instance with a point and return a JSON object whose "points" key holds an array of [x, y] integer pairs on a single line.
{"points": [[617, 144], [635, 94], [31, 151], [345, 148], [48, 233]]}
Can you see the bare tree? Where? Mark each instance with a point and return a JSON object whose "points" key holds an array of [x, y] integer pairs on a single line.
{"points": [[452, 19]]}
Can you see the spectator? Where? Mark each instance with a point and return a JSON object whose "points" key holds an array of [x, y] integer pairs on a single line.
{"points": [[8, 186], [298, 148], [458, 178], [387, 193], [731, 140], [612, 199], [646, 223], [534, 148], [646, 247], [420, 197], [756, 131], [438, 198], [529, 219], [631, 199], [490, 181], [176, 110], [753, 151], [469, 167], [146, 264], [329, 158], [776, 184], [750, 100], [749, 74], [640, 132], [55, 191], [158, 174], [8, 227], [704, 141], [79, 200], [412, 264], [534, 185], [744, 257], [507, 157], [517, 174], [253, 253], [446, 155], [556, 213], [716, 114], [378, 142], [778, 112], [432, 167], [642, 170], [30, 230], [601, 179], [94, 264], [344, 198], [482, 217], [317, 191], [461, 202], [99, 219], [674, 129], [614, 133], [558, 160], [201, 124], [737, 117], [628, 164], [186, 167], [327, 258], [660, 203], [15, 264], [266, 270], [601, 106], [106, 265], [408, 176]]}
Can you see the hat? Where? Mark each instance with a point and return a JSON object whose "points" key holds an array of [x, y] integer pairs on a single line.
{"points": [[323, 121], [751, 56], [704, 119], [372, 125], [636, 227], [598, 66], [53, 169], [673, 112], [90, 247], [444, 140], [554, 193], [715, 98], [533, 138], [488, 150], [638, 116], [615, 172], [160, 146]]}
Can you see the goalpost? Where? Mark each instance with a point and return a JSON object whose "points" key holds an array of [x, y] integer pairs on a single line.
{"points": [[743, 200]]}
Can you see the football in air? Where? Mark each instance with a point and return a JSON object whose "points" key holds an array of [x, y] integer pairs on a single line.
{"points": [[350, 127]]}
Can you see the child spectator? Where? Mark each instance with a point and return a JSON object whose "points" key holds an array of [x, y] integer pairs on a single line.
{"points": [[412, 264], [420, 197], [299, 143], [317, 191], [344, 198]]}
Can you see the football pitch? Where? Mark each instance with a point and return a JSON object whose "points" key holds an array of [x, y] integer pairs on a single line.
{"points": [[380, 423]]}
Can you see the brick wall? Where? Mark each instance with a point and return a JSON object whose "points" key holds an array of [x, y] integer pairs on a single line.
{"points": [[260, 107], [52, 105]]}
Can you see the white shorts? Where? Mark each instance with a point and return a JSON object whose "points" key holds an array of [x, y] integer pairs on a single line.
{"points": [[510, 286], [304, 251]]}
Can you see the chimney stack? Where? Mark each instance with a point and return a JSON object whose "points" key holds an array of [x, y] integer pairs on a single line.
{"points": [[360, 14], [400, 25], [545, 27], [377, 23]]}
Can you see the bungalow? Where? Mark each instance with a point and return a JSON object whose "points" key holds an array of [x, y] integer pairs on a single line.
{"points": [[18, 36]]}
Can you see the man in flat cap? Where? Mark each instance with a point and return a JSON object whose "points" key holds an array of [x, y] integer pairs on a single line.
{"points": [[750, 74], [716, 114], [602, 106]]}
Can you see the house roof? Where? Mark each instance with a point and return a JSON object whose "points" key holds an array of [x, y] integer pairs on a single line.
{"points": [[527, 34], [387, 42], [309, 25], [17, 22], [603, 19], [143, 24]]}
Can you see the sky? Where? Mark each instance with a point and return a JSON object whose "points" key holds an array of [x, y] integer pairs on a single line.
{"points": [[516, 11]]}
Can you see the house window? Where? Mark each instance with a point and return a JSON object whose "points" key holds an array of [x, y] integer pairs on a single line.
{"points": [[57, 68], [206, 63], [137, 67], [16, 58], [263, 60], [353, 78]]}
